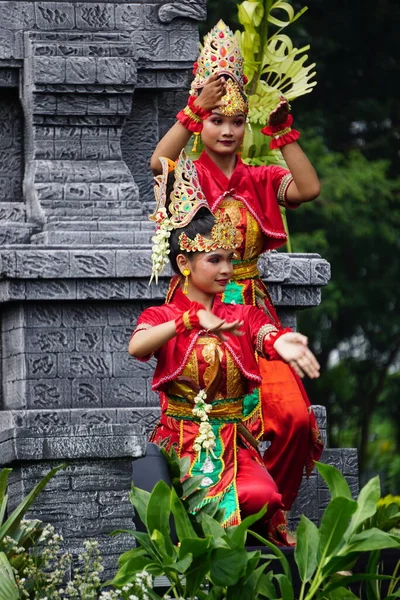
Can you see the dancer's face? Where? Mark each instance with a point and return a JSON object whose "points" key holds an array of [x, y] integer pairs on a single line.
{"points": [[210, 272], [222, 134]]}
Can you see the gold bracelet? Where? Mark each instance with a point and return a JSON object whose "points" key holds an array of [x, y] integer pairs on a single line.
{"points": [[189, 113], [282, 132], [264, 330]]}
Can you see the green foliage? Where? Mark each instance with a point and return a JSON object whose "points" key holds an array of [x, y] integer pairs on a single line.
{"points": [[212, 563], [354, 224]]}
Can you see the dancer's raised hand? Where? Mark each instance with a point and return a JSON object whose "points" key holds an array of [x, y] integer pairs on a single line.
{"points": [[293, 348]]}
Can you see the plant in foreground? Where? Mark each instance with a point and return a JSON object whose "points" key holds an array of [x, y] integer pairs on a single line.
{"points": [[211, 562]]}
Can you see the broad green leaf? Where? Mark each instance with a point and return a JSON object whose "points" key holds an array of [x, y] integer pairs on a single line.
{"points": [[140, 499], [191, 485], [184, 527], [227, 565], [158, 514], [348, 580], [212, 528], [127, 572], [146, 543], [164, 546], [196, 573], [369, 540], [340, 563], [180, 566], [306, 550], [335, 522], [341, 593], [372, 587], [131, 554], [366, 504], [278, 553], [266, 587], [14, 519], [8, 586], [253, 584], [195, 499], [4, 475], [195, 546], [286, 587], [335, 481], [238, 538]]}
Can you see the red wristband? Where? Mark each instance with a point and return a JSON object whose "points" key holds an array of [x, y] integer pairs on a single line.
{"points": [[188, 319], [269, 350], [192, 116], [281, 134]]}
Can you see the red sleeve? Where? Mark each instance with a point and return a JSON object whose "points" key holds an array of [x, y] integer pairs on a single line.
{"points": [[258, 325], [279, 179], [150, 317]]}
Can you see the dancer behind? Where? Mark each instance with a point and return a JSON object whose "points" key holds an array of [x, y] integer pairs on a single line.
{"points": [[251, 197], [207, 374]]}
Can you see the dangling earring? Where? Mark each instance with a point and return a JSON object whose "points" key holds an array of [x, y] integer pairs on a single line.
{"points": [[186, 274], [195, 141]]}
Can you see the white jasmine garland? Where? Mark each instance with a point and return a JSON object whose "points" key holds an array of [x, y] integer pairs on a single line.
{"points": [[160, 251], [206, 437]]}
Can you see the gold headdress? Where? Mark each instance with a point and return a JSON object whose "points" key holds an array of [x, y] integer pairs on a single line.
{"points": [[221, 54], [185, 200]]}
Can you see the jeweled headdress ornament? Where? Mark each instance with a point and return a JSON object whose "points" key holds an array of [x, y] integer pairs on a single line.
{"points": [[221, 54], [185, 200]]}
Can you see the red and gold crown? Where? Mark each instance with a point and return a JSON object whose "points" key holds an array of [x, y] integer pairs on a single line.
{"points": [[220, 54]]}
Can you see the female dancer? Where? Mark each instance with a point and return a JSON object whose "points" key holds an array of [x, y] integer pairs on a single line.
{"points": [[251, 197], [207, 374]]}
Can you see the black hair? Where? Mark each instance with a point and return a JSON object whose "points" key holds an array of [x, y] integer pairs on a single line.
{"points": [[202, 223]]}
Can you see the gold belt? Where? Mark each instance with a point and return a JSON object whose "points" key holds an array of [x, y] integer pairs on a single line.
{"points": [[225, 410], [245, 269]]}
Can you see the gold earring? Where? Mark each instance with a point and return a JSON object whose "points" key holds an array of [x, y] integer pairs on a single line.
{"points": [[195, 141], [186, 274]]}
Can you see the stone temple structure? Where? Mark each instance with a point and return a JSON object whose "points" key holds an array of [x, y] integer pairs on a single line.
{"points": [[86, 90]]}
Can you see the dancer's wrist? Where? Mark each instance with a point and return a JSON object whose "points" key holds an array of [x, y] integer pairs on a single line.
{"points": [[193, 115], [188, 320], [282, 133]]}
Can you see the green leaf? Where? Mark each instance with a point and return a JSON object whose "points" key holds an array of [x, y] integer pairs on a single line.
{"points": [[195, 546], [164, 546], [278, 553], [341, 594], [212, 528], [8, 586], [253, 584], [366, 504], [286, 587], [140, 499], [195, 575], [238, 538], [145, 543], [195, 499], [227, 565], [266, 587], [348, 580], [192, 484], [183, 525], [158, 513], [306, 550], [127, 572], [369, 540], [334, 524], [14, 519], [180, 566], [335, 481]]}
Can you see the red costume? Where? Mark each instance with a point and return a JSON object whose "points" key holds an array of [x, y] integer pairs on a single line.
{"points": [[196, 360], [251, 197]]}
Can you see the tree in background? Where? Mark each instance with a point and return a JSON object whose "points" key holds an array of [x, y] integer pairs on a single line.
{"points": [[350, 132]]}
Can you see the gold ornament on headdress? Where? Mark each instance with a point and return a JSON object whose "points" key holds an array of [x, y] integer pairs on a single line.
{"points": [[220, 54], [185, 200], [223, 235]]}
